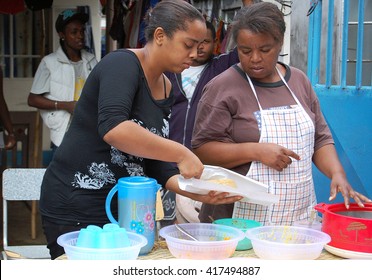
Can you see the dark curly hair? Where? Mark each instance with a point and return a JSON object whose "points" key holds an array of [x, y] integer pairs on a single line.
{"points": [[171, 15], [261, 17]]}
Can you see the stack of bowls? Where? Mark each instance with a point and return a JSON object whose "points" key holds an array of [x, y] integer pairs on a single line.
{"points": [[95, 243], [215, 242]]}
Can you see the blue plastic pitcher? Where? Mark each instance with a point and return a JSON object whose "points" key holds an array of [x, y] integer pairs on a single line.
{"points": [[136, 207]]}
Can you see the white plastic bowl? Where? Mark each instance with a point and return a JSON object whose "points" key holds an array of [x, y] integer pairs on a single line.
{"points": [[68, 242], [287, 242], [215, 241]]}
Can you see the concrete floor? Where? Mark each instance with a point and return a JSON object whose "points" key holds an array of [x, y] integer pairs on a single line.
{"points": [[19, 226]]}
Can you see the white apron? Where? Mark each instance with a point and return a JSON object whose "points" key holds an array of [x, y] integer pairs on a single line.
{"points": [[291, 127]]}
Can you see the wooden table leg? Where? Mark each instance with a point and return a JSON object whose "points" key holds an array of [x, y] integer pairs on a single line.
{"points": [[33, 219]]}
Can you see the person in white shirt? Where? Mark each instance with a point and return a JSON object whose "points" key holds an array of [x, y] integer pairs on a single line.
{"points": [[61, 75]]}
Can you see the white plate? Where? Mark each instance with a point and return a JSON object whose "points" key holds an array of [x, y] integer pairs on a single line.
{"points": [[253, 191], [347, 254]]}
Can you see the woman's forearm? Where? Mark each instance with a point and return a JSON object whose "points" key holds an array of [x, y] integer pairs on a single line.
{"points": [[326, 160], [227, 155], [133, 139]]}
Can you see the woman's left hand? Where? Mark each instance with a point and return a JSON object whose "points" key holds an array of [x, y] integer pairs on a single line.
{"points": [[340, 184]]}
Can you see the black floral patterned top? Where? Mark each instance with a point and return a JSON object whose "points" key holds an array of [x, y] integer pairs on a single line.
{"points": [[84, 167]]}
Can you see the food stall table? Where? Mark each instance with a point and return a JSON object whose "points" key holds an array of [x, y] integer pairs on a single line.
{"points": [[160, 251]]}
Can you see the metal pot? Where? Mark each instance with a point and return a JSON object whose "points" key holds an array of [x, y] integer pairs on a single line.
{"points": [[350, 229]]}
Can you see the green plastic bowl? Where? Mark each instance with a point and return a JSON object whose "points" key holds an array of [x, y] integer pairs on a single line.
{"points": [[242, 224]]}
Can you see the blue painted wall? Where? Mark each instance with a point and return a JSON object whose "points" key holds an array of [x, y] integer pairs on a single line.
{"points": [[343, 88], [349, 116]]}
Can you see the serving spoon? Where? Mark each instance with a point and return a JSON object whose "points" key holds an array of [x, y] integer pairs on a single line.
{"points": [[185, 232]]}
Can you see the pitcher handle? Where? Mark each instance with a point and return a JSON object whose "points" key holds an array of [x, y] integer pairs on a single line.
{"points": [[108, 204]]}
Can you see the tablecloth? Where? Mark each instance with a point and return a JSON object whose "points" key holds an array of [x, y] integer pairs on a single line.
{"points": [[160, 251]]}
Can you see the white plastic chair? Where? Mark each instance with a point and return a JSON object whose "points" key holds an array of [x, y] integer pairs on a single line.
{"points": [[21, 184]]}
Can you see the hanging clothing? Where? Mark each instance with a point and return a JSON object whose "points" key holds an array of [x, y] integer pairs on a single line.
{"points": [[117, 31], [219, 35], [227, 43], [291, 127], [12, 6], [37, 5], [147, 4], [88, 34], [133, 31]]}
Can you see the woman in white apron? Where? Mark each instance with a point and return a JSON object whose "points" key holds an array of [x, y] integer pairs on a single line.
{"points": [[262, 119], [293, 182]]}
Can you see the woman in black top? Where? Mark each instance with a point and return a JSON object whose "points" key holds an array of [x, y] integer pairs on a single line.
{"points": [[120, 126]]}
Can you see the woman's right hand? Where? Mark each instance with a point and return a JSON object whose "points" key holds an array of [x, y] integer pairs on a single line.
{"points": [[275, 156], [190, 165]]}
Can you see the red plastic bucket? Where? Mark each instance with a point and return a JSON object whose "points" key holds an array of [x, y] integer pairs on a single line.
{"points": [[350, 229]]}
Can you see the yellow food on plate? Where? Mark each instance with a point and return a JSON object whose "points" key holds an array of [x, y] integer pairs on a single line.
{"points": [[224, 181]]}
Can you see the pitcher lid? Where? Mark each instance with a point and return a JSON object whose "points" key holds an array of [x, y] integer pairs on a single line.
{"points": [[137, 180]]}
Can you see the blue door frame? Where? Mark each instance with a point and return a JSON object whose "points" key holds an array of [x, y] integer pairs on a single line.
{"points": [[346, 107]]}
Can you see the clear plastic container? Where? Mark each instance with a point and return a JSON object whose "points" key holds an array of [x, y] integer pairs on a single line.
{"points": [[287, 242], [242, 224], [307, 224], [73, 252], [215, 241]]}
